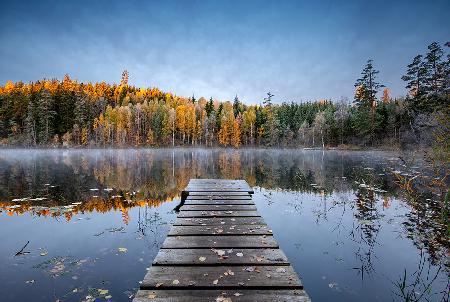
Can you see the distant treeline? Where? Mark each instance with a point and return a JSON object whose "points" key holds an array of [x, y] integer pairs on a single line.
{"points": [[69, 113]]}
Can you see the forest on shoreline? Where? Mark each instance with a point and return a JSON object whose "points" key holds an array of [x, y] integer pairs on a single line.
{"points": [[67, 113]]}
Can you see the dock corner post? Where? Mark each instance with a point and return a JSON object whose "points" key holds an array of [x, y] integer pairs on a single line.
{"points": [[184, 195]]}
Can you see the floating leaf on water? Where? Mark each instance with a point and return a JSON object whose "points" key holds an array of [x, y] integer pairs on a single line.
{"points": [[44, 253], [333, 285], [122, 249], [103, 291], [30, 281], [108, 297]]}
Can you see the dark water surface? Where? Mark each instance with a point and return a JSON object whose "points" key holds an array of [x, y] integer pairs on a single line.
{"points": [[95, 220]]}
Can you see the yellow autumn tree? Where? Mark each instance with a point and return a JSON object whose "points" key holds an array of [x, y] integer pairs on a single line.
{"points": [[386, 98], [236, 134]]}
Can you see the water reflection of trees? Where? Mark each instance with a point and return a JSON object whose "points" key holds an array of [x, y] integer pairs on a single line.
{"points": [[150, 177]]}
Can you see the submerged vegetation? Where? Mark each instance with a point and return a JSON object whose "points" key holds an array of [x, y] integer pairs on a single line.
{"points": [[70, 113]]}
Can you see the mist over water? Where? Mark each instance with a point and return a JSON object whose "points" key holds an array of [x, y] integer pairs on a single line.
{"points": [[95, 220]]}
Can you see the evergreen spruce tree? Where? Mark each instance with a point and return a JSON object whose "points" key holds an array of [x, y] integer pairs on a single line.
{"points": [[209, 107], [369, 84], [415, 77], [435, 69], [237, 106], [30, 125], [45, 117]]}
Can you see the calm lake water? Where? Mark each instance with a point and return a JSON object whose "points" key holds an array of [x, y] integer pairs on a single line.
{"points": [[95, 219]]}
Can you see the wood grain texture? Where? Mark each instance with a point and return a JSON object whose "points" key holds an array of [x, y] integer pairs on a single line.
{"points": [[219, 221], [210, 257], [223, 242], [218, 207], [218, 197], [227, 277], [236, 295], [219, 202], [223, 230], [228, 213]]}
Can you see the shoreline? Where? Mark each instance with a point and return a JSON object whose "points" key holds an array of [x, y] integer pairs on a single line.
{"points": [[347, 148]]}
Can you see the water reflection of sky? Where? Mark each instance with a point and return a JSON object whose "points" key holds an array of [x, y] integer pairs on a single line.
{"points": [[339, 217]]}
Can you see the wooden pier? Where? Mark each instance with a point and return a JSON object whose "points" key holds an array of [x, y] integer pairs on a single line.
{"points": [[220, 249]]}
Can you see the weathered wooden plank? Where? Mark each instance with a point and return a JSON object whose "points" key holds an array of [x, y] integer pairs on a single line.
{"points": [[219, 221], [211, 257], [221, 277], [218, 194], [218, 207], [217, 197], [218, 183], [220, 230], [217, 202], [235, 295], [237, 241], [229, 213], [214, 180]]}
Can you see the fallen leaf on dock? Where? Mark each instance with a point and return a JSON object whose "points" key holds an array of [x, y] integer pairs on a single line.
{"points": [[159, 284], [280, 270], [175, 282], [239, 254], [223, 299], [202, 259], [152, 296], [215, 282]]}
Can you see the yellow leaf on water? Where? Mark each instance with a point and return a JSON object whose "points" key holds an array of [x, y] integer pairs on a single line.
{"points": [[122, 249], [102, 291]]}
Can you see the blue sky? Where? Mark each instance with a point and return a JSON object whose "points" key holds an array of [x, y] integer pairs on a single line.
{"points": [[298, 50]]}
